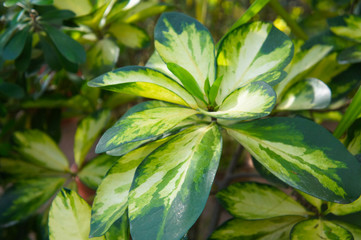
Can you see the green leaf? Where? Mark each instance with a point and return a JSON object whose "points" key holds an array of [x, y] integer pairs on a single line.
{"points": [[94, 171], [38, 148], [102, 57], [129, 35], [15, 44], [11, 90], [311, 160], [353, 229], [187, 80], [353, 139], [156, 62], [350, 55], [310, 93], [169, 193], [352, 112], [142, 125], [69, 217], [79, 7], [250, 200], [250, 52], [144, 82], [301, 64], [25, 197], [42, 2], [351, 30], [254, 100], [267, 229], [316, 202], [111, 198], [87, 132], [57, 15], [319, 229], [143, 10], [10, 3], [23, 61], [120, 229], [344, 209], [68, 47], [184, 41], [213, 91]]}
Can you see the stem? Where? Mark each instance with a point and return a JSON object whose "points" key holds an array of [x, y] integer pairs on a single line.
{"points": [[223, 184], [296, 29]]}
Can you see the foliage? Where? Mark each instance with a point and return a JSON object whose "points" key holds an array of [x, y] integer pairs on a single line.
{"points": [[268, 88]]}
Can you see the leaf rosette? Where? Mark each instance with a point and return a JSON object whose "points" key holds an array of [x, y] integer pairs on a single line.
{"points": [[171, 148]]}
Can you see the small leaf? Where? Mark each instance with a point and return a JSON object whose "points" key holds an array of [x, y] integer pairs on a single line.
{"points": [[353, 138], [350, 55], [129, 35], [213, 92], [15, 44], [156, 62], [344, 209], [169, 193], [187, 80], [184, 41], [254, 100], [272, 229], [25, 197], [250, 200], [307, 94], [23, 61], [68, 47], [143, 125], [120, 229], [111, 198], [94, 171], [87, 132], [319, 229], [144, 82], [311, 160], [38, 148], [69, 217]]}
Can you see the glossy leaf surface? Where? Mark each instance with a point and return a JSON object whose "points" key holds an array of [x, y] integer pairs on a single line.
{"points": [[183, 40], [144, 82], [267, 229], [111, 198], [250, 200], [254, 100], [310, 93], [172, 184], [252, 52], [142, 125], [319, 229], [312, 160], [38, 148]]}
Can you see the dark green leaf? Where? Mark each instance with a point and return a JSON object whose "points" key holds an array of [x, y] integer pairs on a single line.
{"points": [[213, 92], [57, 15], [68, 47], [120, 229], [16, 44], [42, 2], [350, 55], [11, 90], [23, 61]]}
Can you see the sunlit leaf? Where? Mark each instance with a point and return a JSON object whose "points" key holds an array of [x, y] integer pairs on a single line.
{"points": [[171, 186], [311, 160], [129, 35]]}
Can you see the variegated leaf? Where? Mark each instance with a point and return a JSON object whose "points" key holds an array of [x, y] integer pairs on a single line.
{"points": [[251, 200], [94, 171], [157, 63], [318, 229], [141, 125], [352, 29], [268, 229], [111, 198], [301, 64], [87, 132], [316, 202], [255, 100], [69, 217], [302, 154], [25, 197], [353, 229], [38, 148], [172, 184], [353, 139], [310, 93], [129, 35], [344, 209], [252, 52], [144, 82], [183, 40], [120, 229]]}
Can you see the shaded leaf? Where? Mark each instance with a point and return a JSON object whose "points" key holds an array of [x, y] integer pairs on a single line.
{"points": [[15, 44], [23, 61], [11, 90], [350, 55], [120, 229]]}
